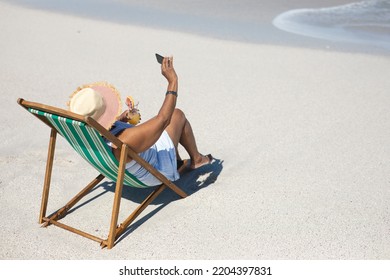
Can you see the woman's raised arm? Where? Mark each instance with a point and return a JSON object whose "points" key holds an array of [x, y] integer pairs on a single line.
{"points": [[143, 136]]}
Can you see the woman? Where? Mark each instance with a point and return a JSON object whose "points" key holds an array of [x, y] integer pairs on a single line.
{"points": [[155, 140]]}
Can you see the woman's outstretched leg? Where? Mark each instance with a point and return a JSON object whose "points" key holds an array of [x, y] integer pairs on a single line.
{"points": [[180, 131]]}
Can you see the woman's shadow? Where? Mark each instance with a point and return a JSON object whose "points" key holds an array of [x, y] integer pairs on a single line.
{"points": [[190, 182]]}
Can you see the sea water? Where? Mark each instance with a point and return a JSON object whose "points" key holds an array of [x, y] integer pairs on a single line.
{"points": [[364, 22]]}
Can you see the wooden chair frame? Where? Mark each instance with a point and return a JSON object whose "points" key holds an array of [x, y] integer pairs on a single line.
{"points": [[115, 230]]}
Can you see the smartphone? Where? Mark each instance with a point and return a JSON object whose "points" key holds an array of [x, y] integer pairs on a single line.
{"points": [[159, 58]]}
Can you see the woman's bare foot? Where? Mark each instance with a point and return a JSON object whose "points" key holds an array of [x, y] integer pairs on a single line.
{"points": [[201, 161]]}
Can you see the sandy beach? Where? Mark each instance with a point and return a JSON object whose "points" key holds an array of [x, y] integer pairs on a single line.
{"points": [[300, 133]]}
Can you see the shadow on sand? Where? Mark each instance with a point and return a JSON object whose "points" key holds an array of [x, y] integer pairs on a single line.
{"points": [[190, 182]]}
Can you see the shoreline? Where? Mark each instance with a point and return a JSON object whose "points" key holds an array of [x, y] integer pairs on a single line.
{"points": [[255, 28], [360, 23]]}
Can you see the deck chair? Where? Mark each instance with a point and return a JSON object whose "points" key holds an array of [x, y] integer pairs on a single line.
{"points": [[85, 135]]}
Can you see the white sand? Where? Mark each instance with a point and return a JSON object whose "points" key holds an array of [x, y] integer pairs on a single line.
{"points": [[303, 135]]}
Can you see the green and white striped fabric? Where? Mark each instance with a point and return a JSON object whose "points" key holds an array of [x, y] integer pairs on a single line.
{"points": [[90, 145]]}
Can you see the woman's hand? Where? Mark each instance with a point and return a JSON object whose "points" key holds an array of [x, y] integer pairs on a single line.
{"points": [[168, 71], [124, 117], [131, 116]]}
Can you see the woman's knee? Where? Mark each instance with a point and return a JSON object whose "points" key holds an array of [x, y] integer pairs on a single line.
{"points": [[176, 126], [178, 117], [179, 113]]}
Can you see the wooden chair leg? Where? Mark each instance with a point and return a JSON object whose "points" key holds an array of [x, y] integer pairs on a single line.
{"points": [[49, 168], [123, 226], [117, 198], [64, 210]]}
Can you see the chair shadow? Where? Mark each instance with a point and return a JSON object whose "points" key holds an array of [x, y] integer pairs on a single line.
{"points": [[190, 182]]}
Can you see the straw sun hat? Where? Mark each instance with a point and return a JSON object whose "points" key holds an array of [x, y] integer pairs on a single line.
{"points": [[99, 100]]}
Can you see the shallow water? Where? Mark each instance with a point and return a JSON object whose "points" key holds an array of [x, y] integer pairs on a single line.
{"points": [[365, 26], [365, 22]]}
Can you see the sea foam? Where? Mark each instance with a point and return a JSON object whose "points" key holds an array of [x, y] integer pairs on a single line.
{"points": [[365, 22]]}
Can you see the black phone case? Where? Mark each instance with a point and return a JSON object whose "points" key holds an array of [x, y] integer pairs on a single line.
{"points": [[159, 58]]}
